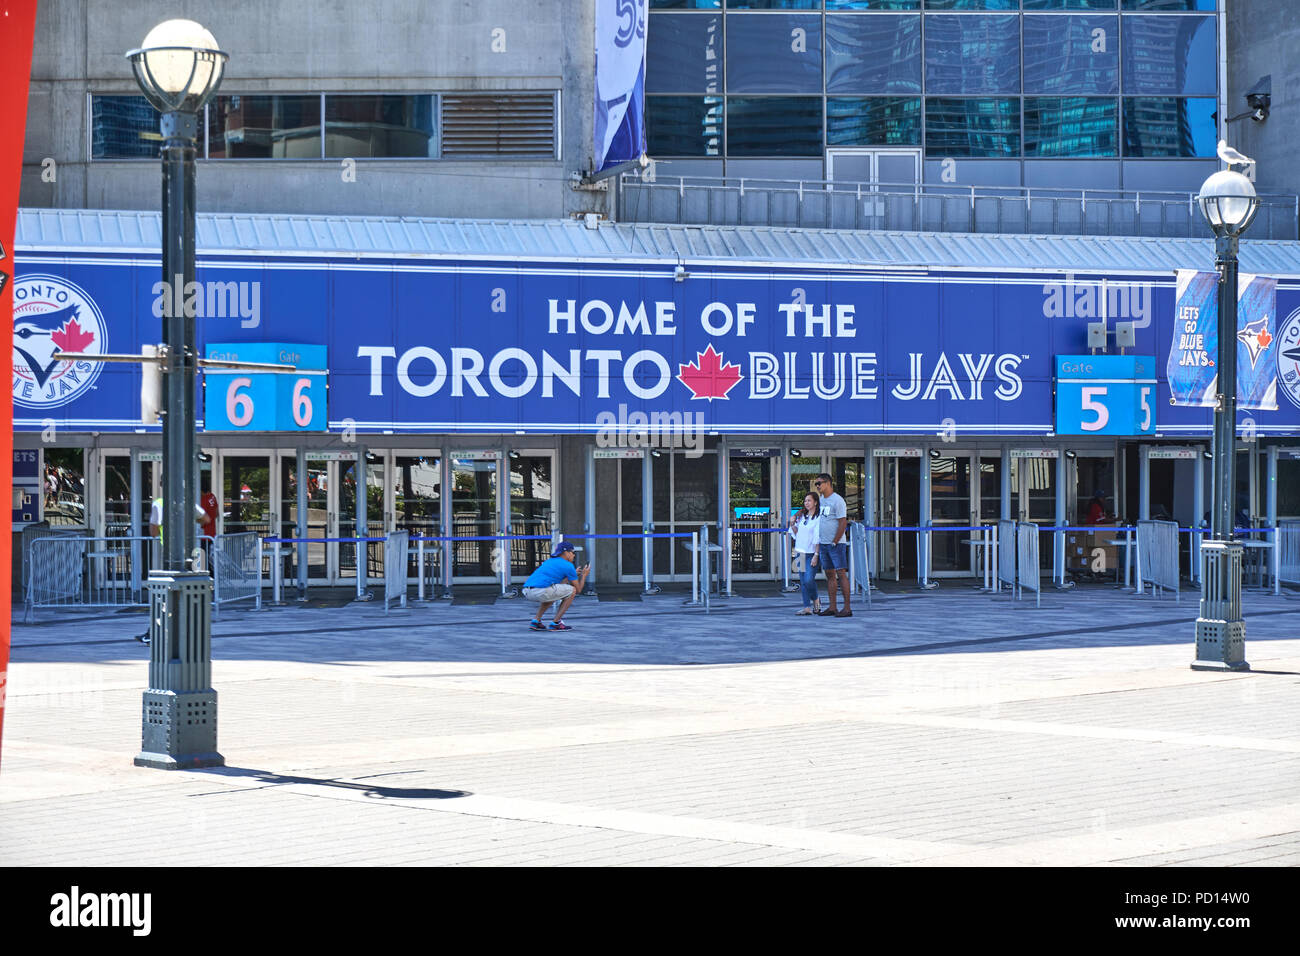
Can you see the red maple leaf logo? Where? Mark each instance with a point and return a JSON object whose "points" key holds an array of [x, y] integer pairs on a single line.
{"points": [[1263, 339], [71, 338], [707, 377]]}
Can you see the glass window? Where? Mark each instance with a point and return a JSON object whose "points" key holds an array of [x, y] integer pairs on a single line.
{"points": [[873, 121], [965, 55], [684, 54], [972, 127], [1170, 56], [774, 125], [774, 4], [774, 53], [1071, 126], [1071, 54], [374, 125], [65, 487], [124, 127], [1169, 4], [685, 4], [873, 4], [264, 127], [972, 4], [873, 54], [1169, 126], [1070, 4], [684, 125]]}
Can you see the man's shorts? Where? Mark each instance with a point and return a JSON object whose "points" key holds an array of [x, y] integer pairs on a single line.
{"points": [[556, 592], [833, 557]]}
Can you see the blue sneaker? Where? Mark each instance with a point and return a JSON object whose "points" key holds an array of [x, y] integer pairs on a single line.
{"points": [[558, 626], [536, 626]]}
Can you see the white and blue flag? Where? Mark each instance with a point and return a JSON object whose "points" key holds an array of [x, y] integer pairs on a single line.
{"points": [[1194, 350], [620, 82]]}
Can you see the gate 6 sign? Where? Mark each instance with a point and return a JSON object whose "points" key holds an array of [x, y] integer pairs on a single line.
{"points": [[238, 400], [1105, 395]]}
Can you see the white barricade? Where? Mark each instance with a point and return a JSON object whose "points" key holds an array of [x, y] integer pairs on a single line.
{"points": [[1006, 555], [1288, 553], [1157, 556], [396, 546], [236, 569], [859, 562], [1028, 576]]}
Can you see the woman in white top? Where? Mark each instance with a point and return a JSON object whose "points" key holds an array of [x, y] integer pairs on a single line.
{"points": [[804, 530]]}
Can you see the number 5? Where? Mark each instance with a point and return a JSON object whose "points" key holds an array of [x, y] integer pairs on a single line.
{"points": [[1103, 413], [1146, 410]]}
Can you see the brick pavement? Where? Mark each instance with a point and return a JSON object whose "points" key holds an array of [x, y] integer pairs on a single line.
{"points": [[941, 728]]}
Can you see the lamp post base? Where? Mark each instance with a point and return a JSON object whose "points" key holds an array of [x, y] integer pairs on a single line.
{"points": [[1220, 631], [180, 730]]}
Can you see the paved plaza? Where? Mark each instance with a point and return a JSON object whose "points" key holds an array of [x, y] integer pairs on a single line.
{"points": [[939, 728]]}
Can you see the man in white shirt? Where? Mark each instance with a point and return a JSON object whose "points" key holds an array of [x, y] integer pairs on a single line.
{"points": [[832, 548]]}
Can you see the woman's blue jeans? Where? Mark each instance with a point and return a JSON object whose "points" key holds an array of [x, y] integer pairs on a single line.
{"points": [[808, 581]]}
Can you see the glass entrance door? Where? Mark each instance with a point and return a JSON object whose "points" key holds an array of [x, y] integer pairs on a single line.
{"points": [[750, 491], [343, 502], [685, 491], [952, 502], [246, 492], [474, 513], [532, 508], [320, 518], [1033, 490], [417, 503]]}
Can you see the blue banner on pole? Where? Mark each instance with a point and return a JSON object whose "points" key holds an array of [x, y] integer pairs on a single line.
{"points": [[620, 82], [1194, 347]]}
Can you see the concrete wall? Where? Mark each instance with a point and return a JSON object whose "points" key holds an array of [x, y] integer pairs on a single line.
{"points": [[383, 46], [1264, 38]]}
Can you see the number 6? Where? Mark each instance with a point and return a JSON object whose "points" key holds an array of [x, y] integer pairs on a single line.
{"points": [[239, 408], [301, 403]]}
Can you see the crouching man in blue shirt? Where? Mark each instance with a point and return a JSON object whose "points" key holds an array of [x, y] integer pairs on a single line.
{"points": [[551, 583]]}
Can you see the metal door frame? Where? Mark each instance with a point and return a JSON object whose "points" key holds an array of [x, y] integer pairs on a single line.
{"points": [[506, 517], [875, 152], [972, 454]]}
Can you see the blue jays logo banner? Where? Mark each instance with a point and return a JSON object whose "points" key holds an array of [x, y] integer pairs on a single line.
{"points": [[620, 82], [1194, 348]]}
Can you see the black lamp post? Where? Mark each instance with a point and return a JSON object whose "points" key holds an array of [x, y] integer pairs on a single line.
{"points": [[179, 68], [1229, 204]]}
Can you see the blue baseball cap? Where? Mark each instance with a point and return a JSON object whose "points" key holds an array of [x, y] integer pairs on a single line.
{"points": [[562, 547]]}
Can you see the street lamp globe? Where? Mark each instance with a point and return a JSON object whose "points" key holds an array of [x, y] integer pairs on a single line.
{"points": [[178, 66], [1228, 203]]}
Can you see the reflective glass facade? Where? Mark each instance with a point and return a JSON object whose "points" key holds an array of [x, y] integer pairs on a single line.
{"points": [[991, 79]]}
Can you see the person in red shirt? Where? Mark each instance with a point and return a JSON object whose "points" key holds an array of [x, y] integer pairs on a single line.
{"points": [[1097, 509], [209, 505]]}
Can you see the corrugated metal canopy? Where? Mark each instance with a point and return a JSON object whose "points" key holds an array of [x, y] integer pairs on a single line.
{"points": [[571, 240]]}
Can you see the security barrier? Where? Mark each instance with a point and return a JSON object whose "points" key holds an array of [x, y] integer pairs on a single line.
{"points": [[396, 545], [1028, 576], [859, 564], [1157, 557], [72, 571], [1288, 553], [1006, 549], [236, 569]]}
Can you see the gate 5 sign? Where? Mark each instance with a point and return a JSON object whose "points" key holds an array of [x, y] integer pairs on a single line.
{"points": [[1105, 395], [236, 400]]}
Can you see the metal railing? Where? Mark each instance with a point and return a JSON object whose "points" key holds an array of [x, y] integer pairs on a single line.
{"points": [[859, 561], [1157, 557], [75, 571], [236, 568], [1288, 553], [1028, 576], [932, 207], [1006, 554], [396, 546]]}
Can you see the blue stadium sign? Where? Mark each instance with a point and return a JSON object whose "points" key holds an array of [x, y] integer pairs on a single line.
{"points": [[1105, 395]]}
